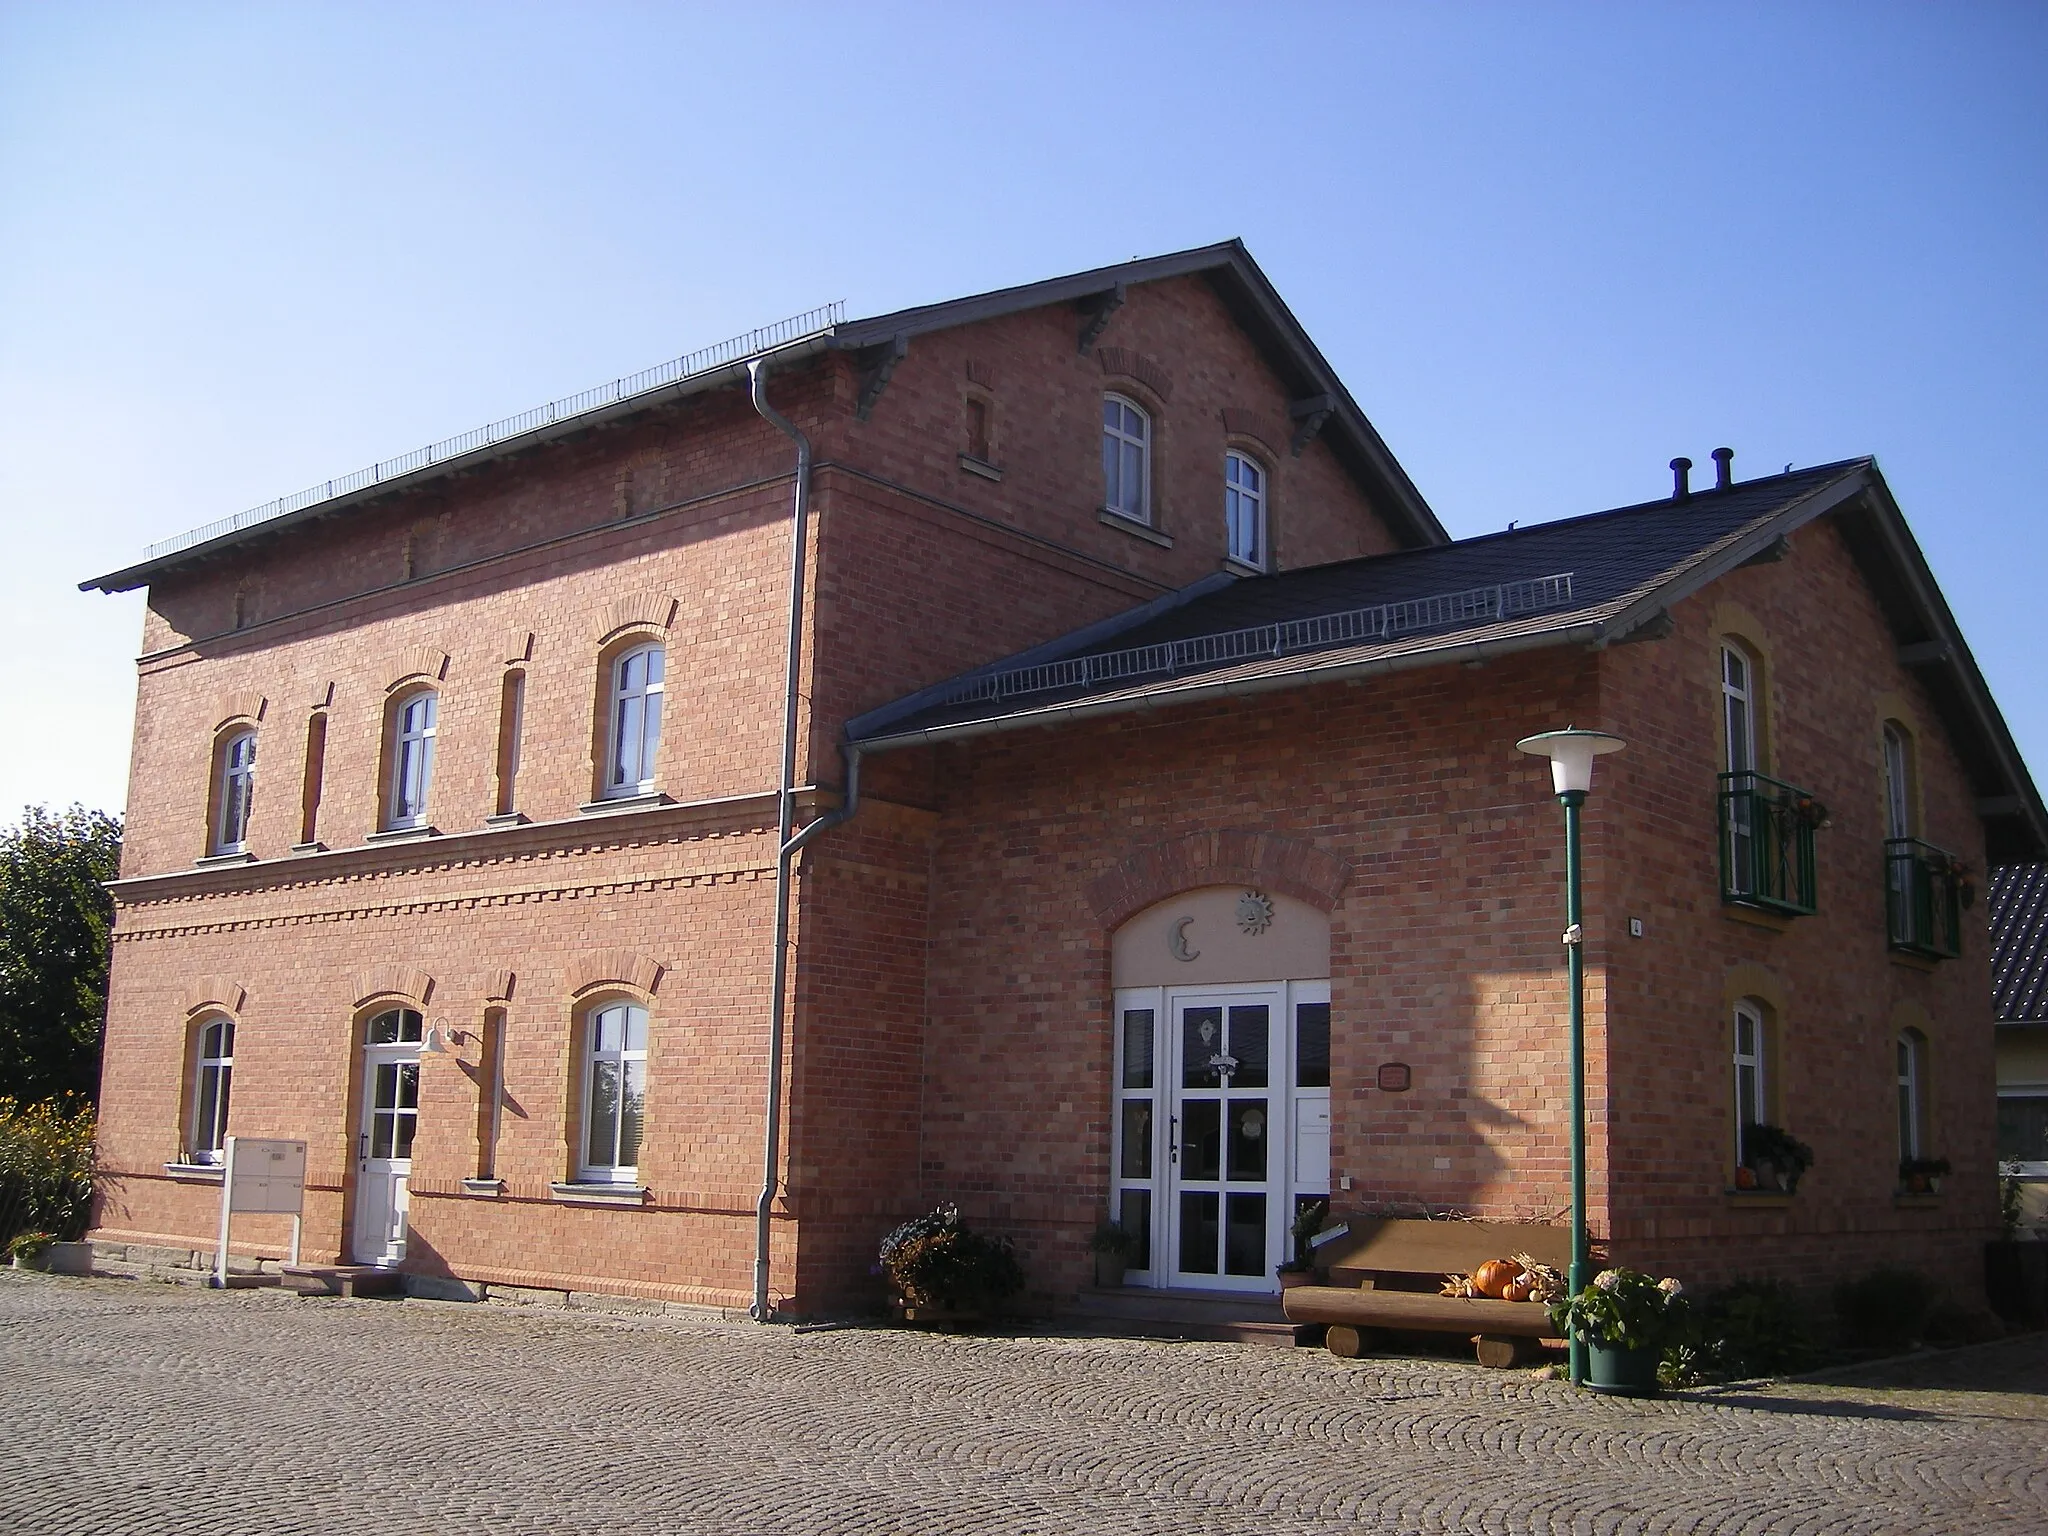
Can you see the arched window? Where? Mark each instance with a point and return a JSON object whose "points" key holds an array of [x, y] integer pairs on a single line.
{"points": [[1751, 1104], [1912, 1061], [1126, 459], [237, 783], [1244, 508], [635, 734], [614, 1092], [1738, 709], [213, 1069], [1898, 780], [412, 758]]}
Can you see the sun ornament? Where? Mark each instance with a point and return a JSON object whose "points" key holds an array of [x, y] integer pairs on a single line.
{"points": [[1255, 912]]}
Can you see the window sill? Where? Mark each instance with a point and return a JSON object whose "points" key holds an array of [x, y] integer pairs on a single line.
{"points": [[1757, 917], [653, 799], [488, 1189], [980, 467], [1927, 965], [196, 1173], [1757, 1199], [401, 834], [506, 819], [1916, 1199], [1238, 567], [1134, 528], [316, 846], [222, 860], [599, 1194]]}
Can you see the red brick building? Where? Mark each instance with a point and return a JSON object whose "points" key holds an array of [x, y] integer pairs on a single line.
{"points": [[1155, 842]]}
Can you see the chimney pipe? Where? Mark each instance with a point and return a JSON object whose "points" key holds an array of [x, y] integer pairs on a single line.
{"points": [[1724, 471], [1681, 481]]}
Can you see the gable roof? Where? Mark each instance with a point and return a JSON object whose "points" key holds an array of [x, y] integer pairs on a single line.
{"points": [[2019, 944], [1228, 267], [1597, 580]]}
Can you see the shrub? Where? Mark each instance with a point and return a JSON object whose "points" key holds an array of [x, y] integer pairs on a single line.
{"points": [[936, 1261], [1756, 1328], [1624, 1308], [1886, 1308], [46, 1168], [27, 1247]]}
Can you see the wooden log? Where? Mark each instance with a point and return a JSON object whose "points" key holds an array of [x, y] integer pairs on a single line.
{"points": [[1344, 1341], [1505, 1351]]}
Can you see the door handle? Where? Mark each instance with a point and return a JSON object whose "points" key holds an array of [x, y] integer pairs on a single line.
{"points": [[363, 1146], [1173, 1138]]}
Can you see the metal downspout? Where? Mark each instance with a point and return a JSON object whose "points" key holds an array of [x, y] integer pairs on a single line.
{"points": [[787, 845]]}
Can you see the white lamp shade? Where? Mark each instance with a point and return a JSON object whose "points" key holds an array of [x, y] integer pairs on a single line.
{"points": [[1571, 755]]}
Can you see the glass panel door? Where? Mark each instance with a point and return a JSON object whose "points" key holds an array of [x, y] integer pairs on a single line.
{"points": [[391, 1111], [1223, 1161]]}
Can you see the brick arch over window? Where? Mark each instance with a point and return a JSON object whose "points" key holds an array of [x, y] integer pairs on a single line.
{"points": [[214, 992], [233, 707], [615, 968], [401, 981], [418, 661], [1256, 428], [638, 610], [1232, 856], [1125, 363]]}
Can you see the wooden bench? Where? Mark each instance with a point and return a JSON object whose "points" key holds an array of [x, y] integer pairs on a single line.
{"points": [[1385, 1271]]}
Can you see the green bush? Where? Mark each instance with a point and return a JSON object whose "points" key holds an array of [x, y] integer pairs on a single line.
{"points": [[1757, 1328], [1887, 1308], [46, 1168], [935, 1261]]}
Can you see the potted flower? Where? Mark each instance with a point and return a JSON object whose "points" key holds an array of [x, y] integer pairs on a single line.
{"points": [[31, 1250], [1922, 1175], [1301, 1268], [1625, 1319], [1777, 1157], [944, 1272], [1114, 1246]]}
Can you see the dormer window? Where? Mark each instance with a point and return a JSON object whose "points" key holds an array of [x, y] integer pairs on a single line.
{"points": [[1126, 459]]}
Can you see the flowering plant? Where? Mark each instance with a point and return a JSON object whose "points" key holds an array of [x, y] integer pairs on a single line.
{"points": [[1624, 1308]]}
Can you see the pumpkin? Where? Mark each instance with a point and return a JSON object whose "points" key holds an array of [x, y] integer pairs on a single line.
{"points": [[1492, 1277], [1520, 1288], [1745, 1177]]}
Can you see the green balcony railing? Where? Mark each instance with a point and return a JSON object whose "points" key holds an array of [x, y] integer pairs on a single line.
{"points": [[1767, 831], [1923, 898]]}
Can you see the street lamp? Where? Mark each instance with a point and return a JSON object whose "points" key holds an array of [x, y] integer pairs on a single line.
{"points": [[1571, 755]]}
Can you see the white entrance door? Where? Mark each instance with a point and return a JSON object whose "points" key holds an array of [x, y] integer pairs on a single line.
{"points": [[1221, 1128], [391, 1100], [1226, 1171]]}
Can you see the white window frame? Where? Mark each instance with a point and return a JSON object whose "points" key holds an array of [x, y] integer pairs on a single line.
{"points": [[412, 758], [235, 787], [1118, 445], [209, 1131], [630, 702], [1912, 1052], [1244, 508], [1898, 781], [1755, 1060], [624, 1059], [1738, 702]]}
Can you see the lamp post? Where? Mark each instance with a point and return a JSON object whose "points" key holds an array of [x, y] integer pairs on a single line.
{"points": [[1571, 755]]}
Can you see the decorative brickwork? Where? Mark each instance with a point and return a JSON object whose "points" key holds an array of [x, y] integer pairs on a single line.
{"points": [[638, 610], [408, 982], [1231, 856], [245, 705], [214, 992], [1129, 364], [615, 967]]}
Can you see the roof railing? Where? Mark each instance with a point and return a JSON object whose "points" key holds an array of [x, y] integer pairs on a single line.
{"points": [[1384, 621], [766, 338]]}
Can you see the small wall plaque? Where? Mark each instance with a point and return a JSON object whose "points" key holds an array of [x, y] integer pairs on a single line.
{"points": [[1394, 1077]]}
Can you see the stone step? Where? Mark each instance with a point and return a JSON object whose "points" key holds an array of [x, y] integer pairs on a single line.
{"points": [[1135, 1312], [343, 1280]]}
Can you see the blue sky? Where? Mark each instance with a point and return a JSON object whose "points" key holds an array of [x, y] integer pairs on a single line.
{"points": [[243, 249]]}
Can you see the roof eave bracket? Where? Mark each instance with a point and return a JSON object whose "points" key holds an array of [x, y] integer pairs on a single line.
{"points": [[1309, 414], [1095, 312], [876, 364]]}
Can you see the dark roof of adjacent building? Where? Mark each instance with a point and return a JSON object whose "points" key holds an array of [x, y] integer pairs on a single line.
{"points": [[1228, 268], [1597, 580], [2019, 944]]}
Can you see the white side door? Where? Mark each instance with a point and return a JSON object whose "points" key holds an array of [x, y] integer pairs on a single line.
{"points": [[391, 1099]]}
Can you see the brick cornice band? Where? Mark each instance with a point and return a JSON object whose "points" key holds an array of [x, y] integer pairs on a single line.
{"points": [[638, 610], [1136, 365], [408, 982], [1231, 856], [204, 992]]}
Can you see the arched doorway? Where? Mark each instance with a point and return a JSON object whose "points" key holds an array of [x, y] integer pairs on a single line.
{"points": [[1221, 1119], [392, 1041]]}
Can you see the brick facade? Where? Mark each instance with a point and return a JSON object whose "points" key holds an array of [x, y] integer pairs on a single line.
{"points": [[951, 994]]}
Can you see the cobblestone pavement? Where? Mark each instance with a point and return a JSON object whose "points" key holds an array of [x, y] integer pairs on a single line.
{"points": [[127, 1407]]}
